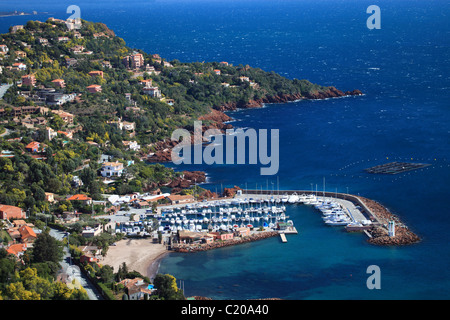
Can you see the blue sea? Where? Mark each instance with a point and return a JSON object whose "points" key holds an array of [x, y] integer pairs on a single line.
{"points": [[403, 69]]}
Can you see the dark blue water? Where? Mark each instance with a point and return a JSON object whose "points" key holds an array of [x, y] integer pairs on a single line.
{"points": [[403, 69]]}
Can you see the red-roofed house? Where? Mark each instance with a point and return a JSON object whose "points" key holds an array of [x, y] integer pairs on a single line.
{"points": [[27, 234], [147, 83], [19, 66], [33, 146], [59, 83], [29, 80], [96, 73], [217, 71], [94, 88], [80, 197], [17, 249], [11, 212]]}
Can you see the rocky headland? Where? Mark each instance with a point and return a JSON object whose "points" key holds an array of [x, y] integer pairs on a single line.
{"points": [[331, 92]]}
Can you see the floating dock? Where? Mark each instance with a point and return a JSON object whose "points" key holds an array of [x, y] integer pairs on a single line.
{"points": [[283, 237]]}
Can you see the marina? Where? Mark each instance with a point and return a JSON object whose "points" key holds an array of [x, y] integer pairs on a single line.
{"points": [[254, 212]]}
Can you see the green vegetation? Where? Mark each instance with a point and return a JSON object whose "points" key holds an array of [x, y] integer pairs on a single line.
{"points": [[73, 146], [35, 279]]}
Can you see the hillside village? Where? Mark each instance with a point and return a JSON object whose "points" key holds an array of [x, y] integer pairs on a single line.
{"points": [[80, 116]]}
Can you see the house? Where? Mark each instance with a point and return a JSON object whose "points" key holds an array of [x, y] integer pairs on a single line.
{"points": [[77, 49], [152, 92], [224, 63], [33, 146], [19, 111], [96, 73], [31, 122], [27, 234], [4, 49], [128, 126], [147, 83], [20, 67], [217, 71], [70, 62], [142, 205], [112, 169], [50, 197], [94, 88], [223, 236], [43, 41], [90, 232], [11, 212], [29, 80], [77, 35], [69, 217], [242, 78], [80, 197], [67, 117], [59, 83], [90, 253], [106, 64], [242, 232], [16, 28], [179, 199], [21, 54], [50, 134], [19, 222], [17, 249], [131, 145], [69, 135], [137, 288], [63, 39], [134, 61]]}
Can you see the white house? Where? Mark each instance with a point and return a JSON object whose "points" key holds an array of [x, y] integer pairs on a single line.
{"points": [[152, 92], [112, 169], [132, 145]]}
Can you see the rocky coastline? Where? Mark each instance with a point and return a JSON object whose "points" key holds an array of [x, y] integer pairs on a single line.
{"points": [[379, 234], [331, 92], [190, 248], [217, 119]]}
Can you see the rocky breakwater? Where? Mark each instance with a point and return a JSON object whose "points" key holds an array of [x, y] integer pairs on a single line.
{"points": [[189, 248], [330, 92], [379, 233]]}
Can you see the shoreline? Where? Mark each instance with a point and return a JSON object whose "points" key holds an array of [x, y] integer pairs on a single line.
{"points": [[141, 255], [144, 256], [191, 248]]}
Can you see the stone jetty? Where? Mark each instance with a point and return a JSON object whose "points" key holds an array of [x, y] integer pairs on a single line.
{"points": [[379, 234], [196, 247]]}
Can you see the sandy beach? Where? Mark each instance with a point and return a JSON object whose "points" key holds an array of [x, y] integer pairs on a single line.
{"points": [[141, 255]]}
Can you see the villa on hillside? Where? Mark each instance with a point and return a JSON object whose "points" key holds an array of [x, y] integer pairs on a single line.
{"points": [[112, 169]]}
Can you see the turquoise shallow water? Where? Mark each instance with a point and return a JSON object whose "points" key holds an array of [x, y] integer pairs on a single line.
{"points": [[403, 69]]}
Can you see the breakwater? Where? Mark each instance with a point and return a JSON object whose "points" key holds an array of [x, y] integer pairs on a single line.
{"points": [[370, 209], [196, 247]]}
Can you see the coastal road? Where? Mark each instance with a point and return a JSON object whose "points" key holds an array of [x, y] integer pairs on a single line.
{"points": [[74, 271]]}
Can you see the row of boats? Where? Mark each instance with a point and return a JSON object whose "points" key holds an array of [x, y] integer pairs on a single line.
{"points": [[228, 215], [223, 215], [333, 213]]}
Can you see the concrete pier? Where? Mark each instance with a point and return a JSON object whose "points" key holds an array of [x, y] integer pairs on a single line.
{"points": [[356, 208]]}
